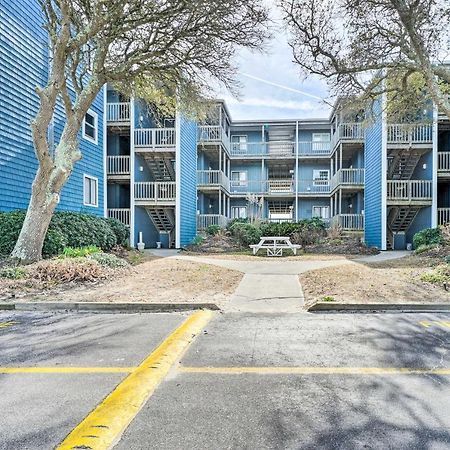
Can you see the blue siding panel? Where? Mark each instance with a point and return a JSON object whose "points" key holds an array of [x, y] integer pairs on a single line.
{"points": [[373, 179], [23, 66], [188, 181]]}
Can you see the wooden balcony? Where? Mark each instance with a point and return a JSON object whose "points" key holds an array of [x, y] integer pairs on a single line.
{"points": [[406, 192], [349, 222], [272, 149], [348, 179], [118, 113], [443, 216], [118, 167], [155, 193], [212, 134], [121, 214], [212, 179], [206, 220], [444, 164], [314, 149], [275, 187], [156, 140], [410, 135], [348, 133]]}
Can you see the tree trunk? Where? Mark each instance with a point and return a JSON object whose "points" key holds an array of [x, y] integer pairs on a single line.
{"points": [[43, 202]]}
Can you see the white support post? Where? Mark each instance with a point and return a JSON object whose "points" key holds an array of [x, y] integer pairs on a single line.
{"points": [[105, 152], [384, 174], [340, 201], [296, 171], [434, 198], [220, 157], [340, 156], [331, 206], [220, 202], [132, 175]]}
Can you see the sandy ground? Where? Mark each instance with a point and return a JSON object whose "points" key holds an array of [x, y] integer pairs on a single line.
{"points": [[388, 282], [157, 281]]}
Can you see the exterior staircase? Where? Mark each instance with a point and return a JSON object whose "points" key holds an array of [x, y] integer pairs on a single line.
{"points": [[161, 169], [399, 220], [164, 221], [402, 165]]}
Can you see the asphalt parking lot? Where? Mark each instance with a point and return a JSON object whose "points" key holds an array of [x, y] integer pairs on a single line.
{"points": [[298, 381]]}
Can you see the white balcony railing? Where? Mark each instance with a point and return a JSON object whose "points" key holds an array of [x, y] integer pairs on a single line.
{"points": [[349, 222], [119, 165], [283, 186], [316, 186], [213, 133], [314, 148], [404, 133], [120, 214], [409, 190], [212, 178], [206, 220], [154, 138], [281, 148], [348, 132], [272, 148], [118, 112], [348, 177], [160, 191], [443, 216], [444, 161]]}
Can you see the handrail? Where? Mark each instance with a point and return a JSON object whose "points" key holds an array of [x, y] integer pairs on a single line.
{"points": [[409, 189], [154, 138], [155, 191], [118, 112], [404, 133], [120, 214], [118, 165]]}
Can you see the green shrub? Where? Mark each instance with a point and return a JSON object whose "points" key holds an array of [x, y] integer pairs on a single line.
{"points": [[108, 260], [79, 252], [13, 273], [197, 240], [328, 298], [245, 233], [428, 236], [120, 230], [212, 230], [440, 274], [425, 248], [66, 229]]}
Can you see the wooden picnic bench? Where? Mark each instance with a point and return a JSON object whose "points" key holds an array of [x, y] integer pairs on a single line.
{"points": [[275, 245]]}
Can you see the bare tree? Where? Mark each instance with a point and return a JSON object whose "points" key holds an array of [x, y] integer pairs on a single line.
{"points": [[159, 46], [367, 47]]}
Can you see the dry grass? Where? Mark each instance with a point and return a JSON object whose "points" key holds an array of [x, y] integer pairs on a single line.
{"points": [[392, 281], [159, 281]]}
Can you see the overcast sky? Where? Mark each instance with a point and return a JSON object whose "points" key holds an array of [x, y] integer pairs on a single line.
{"points": [[265, 100]]}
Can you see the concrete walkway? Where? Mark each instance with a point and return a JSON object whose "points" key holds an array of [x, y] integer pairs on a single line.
{"points": [[272, 285]]}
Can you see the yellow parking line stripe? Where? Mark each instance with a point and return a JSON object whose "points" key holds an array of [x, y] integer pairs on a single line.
{"points": [[65, 370], [316, 370], [8, 324], [102, 428]]}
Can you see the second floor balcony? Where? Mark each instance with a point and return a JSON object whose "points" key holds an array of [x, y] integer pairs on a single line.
{"points": [[409, 191], [281, 187], [276, 149], [159, 192], [118, 166], [348, 178], [444, 163], [409, 134], [212, 179]]}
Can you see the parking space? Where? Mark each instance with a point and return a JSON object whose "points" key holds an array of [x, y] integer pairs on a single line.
{"points": [[83, 357]]}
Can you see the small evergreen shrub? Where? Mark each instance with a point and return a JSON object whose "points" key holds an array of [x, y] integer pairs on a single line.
{"points": [[212, 230], [13, 273], [425, 248], [79, 252], [108, 260], [428, 236], [246, 233], [197, 240], [120, 230], [440, 274]]}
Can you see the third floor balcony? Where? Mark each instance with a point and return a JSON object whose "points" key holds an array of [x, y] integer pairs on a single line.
{"points": [[404, 134], [212, 179], [118, 113]]}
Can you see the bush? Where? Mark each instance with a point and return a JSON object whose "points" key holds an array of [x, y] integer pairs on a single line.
{"points": [[437, 276], [13, 273], [120, 230], [425, 248], [245, 233], [428, 236], [212, 230], [66, 229], [197, 240], [107, 260], [79, 252], [68, 270]]}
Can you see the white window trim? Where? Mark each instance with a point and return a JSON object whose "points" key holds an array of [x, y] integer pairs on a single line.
{"points": [[239, 183], [317, 181], [87, 137], [321, 208], [90, 177], [234, 208], [321, 134], [242, 146]]}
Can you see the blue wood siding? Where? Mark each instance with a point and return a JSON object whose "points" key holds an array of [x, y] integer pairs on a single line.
{"points": [[188, 181], [23, 66], [373, 180]]}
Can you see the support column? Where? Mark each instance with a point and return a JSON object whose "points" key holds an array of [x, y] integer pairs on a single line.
{"points": [[340, 201], [340, 156], [220, 202]]}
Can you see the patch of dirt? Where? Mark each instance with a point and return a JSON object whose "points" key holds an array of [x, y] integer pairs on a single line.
{"points": [[346, 246], [220, 243], [393, 281], [248, 256], [161, 280]]}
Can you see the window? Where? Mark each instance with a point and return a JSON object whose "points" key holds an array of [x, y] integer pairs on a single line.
{"points": [[239, 179], [321, 142], [90, 191], [321, 211], [321, 177], [239, 144], [321, 137], [90, 126], [238, 212]]}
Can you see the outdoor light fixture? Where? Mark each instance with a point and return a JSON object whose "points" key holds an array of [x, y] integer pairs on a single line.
{"points": [[141, 169], [424, 166]]}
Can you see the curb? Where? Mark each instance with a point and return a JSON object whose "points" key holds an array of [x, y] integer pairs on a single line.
{"points": [[379, 307], [108, 307]]}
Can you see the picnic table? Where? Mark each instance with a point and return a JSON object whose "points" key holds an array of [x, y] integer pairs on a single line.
{"points": [[275, 245]]}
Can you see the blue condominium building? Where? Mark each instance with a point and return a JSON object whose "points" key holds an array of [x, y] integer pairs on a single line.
{"points": [[168, 178]]}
